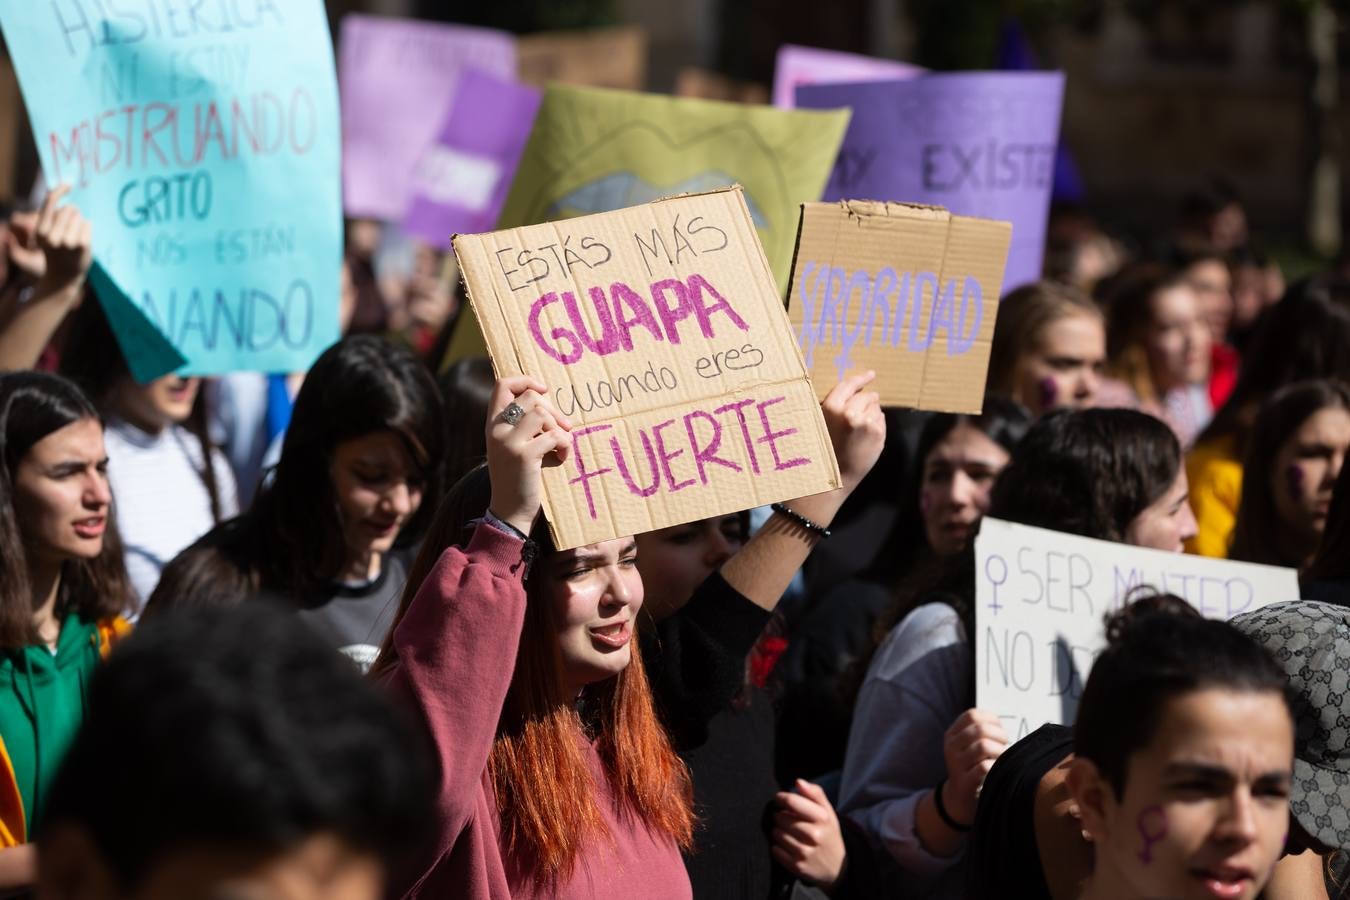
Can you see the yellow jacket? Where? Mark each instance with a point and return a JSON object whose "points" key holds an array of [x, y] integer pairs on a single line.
{"points": [[13, 821], [1215, 476]]}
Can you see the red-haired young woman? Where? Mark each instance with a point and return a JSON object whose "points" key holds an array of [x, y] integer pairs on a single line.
{"points": [[557, 779]]}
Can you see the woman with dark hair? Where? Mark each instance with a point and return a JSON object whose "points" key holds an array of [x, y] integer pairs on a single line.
{"points": [[1294, 456], [959, 457], [329, 533], [466, 387], [1157, 345], [1327, 578], [918, 750], [167, 495], [1183, 758], [1049, 348], [63, 590], [1304, 336]]}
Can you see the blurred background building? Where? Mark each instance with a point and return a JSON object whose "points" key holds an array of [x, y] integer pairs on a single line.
{"points": [[1162, 94]]}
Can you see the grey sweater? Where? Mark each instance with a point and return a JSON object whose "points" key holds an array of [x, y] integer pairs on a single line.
{"points": [[919, 682]]}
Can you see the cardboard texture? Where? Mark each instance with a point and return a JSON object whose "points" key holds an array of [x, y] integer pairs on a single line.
{"points": [[595, 150], [461, 181], [977, 143], [601, 57], [795, 66], [704, 84], [1040, 597], [909, 291], [399, 78], [203, 149], [659, 332]]}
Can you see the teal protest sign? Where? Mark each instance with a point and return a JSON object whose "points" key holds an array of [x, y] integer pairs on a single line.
{"points": [[202, 140]]}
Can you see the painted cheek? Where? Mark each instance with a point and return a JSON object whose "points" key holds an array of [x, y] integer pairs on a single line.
{"points": [[1152, 825], [1294, 480], [1048, 391]]}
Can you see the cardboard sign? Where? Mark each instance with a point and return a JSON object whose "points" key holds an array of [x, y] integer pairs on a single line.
{"points": [[461, 181], [1041, 597], [909, 291], [399, 78], [600, 57], [705, 84], [658, 331], [595, 150], [203, 146], [978, 143], [796, 66]]}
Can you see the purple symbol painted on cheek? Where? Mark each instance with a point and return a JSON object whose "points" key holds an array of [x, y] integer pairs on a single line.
{"points": [[1293, 477], [1049, 391], [1152, 824]]}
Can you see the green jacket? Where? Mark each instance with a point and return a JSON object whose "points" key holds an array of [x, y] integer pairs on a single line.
{"points": [[42, 705]]}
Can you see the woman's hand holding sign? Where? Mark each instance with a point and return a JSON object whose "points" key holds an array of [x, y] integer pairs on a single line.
{"points": [[765, 566], [524, 433], [857, 429]]}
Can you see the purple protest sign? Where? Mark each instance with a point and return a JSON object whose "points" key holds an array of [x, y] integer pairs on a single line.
{"points": [[460, 184], [397, 78], [796, 66], [978, 143]]}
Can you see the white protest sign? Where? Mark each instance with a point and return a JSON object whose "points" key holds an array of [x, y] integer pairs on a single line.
{"points": [[1040, 597]]}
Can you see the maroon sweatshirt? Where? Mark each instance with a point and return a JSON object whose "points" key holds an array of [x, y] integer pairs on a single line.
{"points": [[457, 648]]}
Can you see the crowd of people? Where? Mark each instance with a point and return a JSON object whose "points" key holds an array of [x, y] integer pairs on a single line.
{"points": [[306, 634]]}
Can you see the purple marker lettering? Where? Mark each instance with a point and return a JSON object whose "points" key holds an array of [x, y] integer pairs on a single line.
{"points": [[698, 285], [771, 437], [633, 487], [566, 357], [1152, 824], [739, 408], [708, 454], [582, 475], [666, 457]]}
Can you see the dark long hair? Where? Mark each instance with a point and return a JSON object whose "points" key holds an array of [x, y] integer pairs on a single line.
{"points": [[92, 358], [290, 541], [1302, 337], [32, 406], [466, 387], [1333, 557], [1157, 648], [1002, 421], [1258, 532], [1086, 472], [1129, 301], [361, 385]]}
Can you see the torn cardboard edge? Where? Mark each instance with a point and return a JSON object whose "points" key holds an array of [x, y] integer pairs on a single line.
{"points": [[715, 443], [908, 290]]}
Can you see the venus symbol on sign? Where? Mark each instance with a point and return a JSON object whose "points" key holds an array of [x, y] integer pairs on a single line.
{"points": [[994, 605]]}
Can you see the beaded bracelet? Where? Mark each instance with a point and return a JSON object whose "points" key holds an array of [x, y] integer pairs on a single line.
{"points": [[801, 520], [942, 811]]}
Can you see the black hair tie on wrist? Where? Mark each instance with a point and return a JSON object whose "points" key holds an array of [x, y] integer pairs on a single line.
{"points": [[803, 521], [942, 811]]}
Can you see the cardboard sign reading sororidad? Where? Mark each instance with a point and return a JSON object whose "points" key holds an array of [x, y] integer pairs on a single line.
{"points": [[1040, 599], [658, 330], [909, 291]]}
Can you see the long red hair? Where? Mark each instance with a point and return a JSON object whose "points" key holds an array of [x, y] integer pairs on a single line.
{"points": [[548, 802]]}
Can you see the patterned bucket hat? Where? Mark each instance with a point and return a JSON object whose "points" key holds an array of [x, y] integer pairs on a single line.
{"points": [[1311, 642]]}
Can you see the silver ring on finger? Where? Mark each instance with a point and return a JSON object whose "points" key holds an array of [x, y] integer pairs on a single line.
{"points": [[512, 414]]}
